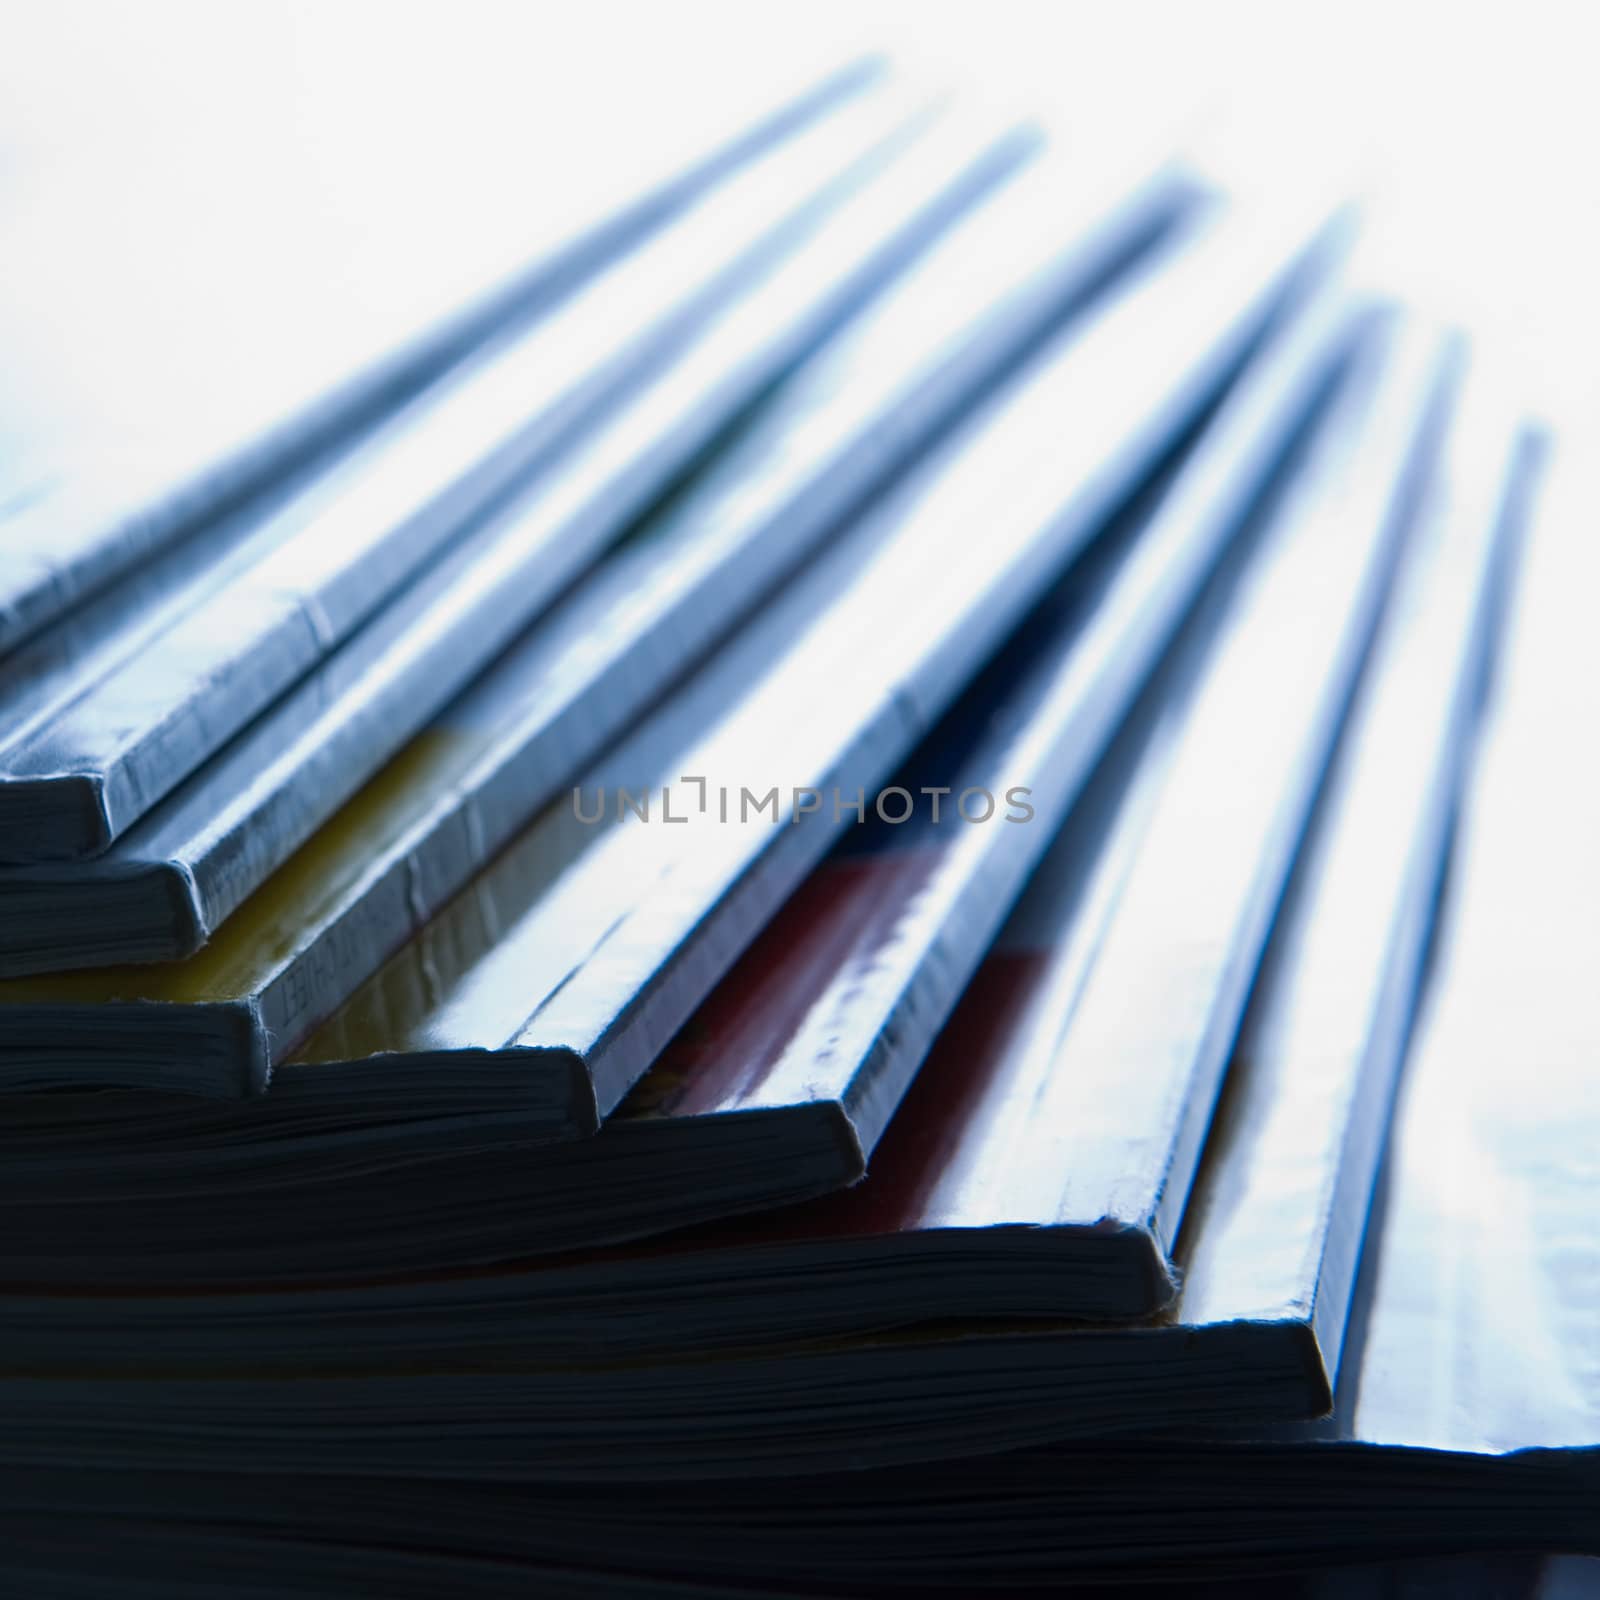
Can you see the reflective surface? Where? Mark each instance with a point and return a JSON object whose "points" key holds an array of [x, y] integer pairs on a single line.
{"points": [[266, 294], [331, 558], [820, 447], [837, 705]]}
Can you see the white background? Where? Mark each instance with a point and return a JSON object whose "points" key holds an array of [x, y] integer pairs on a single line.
{"points": [[180, 178]]}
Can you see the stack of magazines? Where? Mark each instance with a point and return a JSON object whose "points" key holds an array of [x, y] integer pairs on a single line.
{"points": [[883, 886]]}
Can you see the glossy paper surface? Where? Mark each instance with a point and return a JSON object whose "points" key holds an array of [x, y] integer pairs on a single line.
{"points": [[88, 504], [1139, 1069], [904, 909], [1468, 1410], [809, 458], [332, 557], [605, 945], [1275, 1228], [217, 836], [1468, 1414], [816, 1055], [1474, 1326]]}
